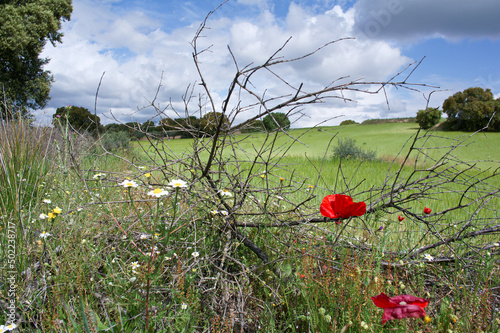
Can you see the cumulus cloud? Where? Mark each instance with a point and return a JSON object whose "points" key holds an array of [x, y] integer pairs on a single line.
{"points": [[136, 50], [409, 20]]}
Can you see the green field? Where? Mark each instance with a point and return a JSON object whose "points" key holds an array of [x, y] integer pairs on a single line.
{"points": [[242, 246]]}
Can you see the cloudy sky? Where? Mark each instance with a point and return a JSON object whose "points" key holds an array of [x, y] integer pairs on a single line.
{"points": [[136, 44]]}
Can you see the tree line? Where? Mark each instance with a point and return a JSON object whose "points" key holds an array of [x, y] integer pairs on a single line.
{"points": [[82, 120]]}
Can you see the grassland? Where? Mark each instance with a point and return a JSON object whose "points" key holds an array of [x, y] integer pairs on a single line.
{"points": [[117, 259]]}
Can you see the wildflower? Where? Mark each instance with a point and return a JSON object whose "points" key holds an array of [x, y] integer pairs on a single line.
{"points": [[262, 176], [47, 201], [364, 325], [399, 307], [177, 183], [159, 192], [128, 183], [282, 179], [195, 254], [43, 216], [147, 175], [184, 306], [6, 328], [214, 212], [341, 206], [51, 216], [381, 228], [427, 319], [57, 210], [400, 218], [224, 213], [428, 257], [427, 210], [44, 234], [135, 265], [225, 193], [322, 311], [144, 236], [168, 258], [142, 167], [328, 318], [99, 176]]}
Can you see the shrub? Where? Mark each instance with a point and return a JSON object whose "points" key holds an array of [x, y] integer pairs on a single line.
{"points": [[276, 121], [347, 148], [115, 140], [348, 122], [428, 118]]}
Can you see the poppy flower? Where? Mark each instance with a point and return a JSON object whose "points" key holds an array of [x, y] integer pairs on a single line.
{"points": [[341, 206], [400, 218], [399, 307], [427, 210]]}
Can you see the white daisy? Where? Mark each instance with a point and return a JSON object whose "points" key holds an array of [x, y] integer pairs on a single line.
{"points": [[428, 257], [43, 216], [195, 254], [47, 201], [44, 234], [225, 193], [129, 183], [184, 306], [177, 183], [99, 175], [159, 192]]}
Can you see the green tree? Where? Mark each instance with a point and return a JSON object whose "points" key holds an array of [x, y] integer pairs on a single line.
{"points": [[275, 121], [472, 109], [79, 118], [428, 117], [210, 122], [25, 27], [348, 122]]}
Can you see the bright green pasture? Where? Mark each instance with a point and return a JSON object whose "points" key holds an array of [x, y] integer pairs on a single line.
{"points": [[387, 140]]}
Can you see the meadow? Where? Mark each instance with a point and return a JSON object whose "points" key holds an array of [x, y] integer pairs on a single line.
{"points": [[224, 233]]}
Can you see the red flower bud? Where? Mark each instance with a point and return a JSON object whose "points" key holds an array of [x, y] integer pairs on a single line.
{"points": [[427, 210]]}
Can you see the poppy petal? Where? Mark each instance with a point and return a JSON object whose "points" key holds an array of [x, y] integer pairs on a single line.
{"points": [[400, 312]]}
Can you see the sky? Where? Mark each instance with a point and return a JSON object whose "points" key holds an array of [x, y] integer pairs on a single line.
{"points": [[134, 54]]}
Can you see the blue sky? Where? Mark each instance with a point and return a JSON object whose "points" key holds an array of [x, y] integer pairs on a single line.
{"points": [[138, 42]]}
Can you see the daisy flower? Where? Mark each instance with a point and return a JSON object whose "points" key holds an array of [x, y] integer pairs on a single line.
{"points": [[135, 265], [195, 254], [43, 216], [184, 306], [428, 257], [99, 175], [47, 201], [225, 193], [44, 234], [159, 192], [177, 183], [128, 183]]}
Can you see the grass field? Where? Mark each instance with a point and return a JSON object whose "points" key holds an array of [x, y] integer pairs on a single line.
{"points": [[242, 246]]}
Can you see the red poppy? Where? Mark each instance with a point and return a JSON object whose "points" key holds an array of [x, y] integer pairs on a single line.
{"points": [[341, 206], [399, 307], [400, 218], [427, 210]]}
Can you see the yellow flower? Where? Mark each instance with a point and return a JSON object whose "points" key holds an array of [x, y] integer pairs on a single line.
{"points": [[147, 175], [427, 319], [262, 176], [282, 179], [57, 210], [51, 216]]}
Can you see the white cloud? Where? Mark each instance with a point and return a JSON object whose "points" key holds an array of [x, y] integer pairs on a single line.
{"points": [[134, 51]]}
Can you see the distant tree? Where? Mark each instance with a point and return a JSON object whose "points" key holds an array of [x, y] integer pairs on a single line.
{"points": [[428, 117], [79, 118], [275, 121], [25, 27], [348, 122], [210, 122], [114, 127], [254, 126], [148, 126], [472, 109]]}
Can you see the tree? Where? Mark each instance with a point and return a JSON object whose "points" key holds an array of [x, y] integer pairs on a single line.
{"points": [[210, 122], [275, 121], [348, 122], [428, 117], [25, 27], [80, 119], [472, 109]]}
